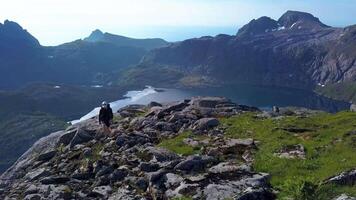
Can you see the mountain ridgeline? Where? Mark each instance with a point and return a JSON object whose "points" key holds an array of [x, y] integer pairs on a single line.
{"points": [[296, 51], [90, 61]]}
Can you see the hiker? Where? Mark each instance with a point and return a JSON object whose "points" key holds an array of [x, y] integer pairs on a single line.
{"points": [[105, 117]]}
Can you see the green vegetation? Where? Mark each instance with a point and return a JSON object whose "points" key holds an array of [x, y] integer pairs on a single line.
{"points": [[183, 198], [339, 91], [329, 148], [177, 145]]}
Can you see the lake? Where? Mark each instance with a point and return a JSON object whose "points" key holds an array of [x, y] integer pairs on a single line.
{"points": [[262, 97]]}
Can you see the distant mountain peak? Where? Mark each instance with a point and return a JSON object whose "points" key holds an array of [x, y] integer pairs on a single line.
{"points": [[13, 34], [297, 20], [257, 26], [119, 40], [95, 36]]}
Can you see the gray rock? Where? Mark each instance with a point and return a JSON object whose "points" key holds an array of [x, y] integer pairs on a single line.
{"points": [[161, 154], [230, 169], [32, 189], [81, 136], [173, 180], [122, 194], [344, 197], [256, 194], [194, 163], [33, 197], [220, 192], [67, 137], [36, 174], [205, 124], [345, 178], [118, 175], [55, 180], [142, 184], [208, 102], [101, 191], [353, 107], [148, 167], [47, 155], [173, 107]]}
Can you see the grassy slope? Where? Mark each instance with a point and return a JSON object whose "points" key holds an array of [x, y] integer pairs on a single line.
{"points": [[329, 151], [20, 131], [339, 91]]}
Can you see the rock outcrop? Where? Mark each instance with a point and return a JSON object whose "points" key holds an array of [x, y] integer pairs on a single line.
{"points": [[83, 163]]}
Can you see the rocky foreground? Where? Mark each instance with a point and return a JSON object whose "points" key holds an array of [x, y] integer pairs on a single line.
{"points": [[83, 163]]}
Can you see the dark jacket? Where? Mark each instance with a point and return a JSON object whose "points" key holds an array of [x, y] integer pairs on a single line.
{"points": [[105, 115]]}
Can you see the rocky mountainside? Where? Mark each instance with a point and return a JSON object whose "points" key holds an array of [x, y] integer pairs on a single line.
{"points": [[181, 150], [23, 60], [80, 163], [295, 51], [148, 44]]}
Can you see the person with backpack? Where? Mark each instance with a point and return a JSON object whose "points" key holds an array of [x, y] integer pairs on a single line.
{"points": [[105, 117]]}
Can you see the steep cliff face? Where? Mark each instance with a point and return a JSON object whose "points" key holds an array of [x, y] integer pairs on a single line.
{"points": [[296, 51]]}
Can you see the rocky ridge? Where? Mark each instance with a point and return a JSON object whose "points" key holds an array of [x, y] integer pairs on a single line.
{"points": [[82, 163]]}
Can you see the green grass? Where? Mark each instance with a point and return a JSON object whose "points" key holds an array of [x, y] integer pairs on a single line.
{"points": [[177, 145], [329, 151]]}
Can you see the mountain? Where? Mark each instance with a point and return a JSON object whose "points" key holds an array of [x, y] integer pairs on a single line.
{"points": [[23, 60], [200, 148], [147, 44], [13, 35], [297, 51]]}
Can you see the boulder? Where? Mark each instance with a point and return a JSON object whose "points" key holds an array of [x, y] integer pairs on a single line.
{"points": [[118, 175], [101, 192], [33, 197], [67, 137], [205, 124], [353, 107], [47, 155], [149, 167], [161, 154], [208, 102], [173, 180], [36, 174], [229, 169], [173, 107], [344, 178], [81, 136], [194, 163], [256, 194], [344, 197]]}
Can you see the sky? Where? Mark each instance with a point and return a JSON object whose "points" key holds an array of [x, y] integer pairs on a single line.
{"points": [[54, 22]]}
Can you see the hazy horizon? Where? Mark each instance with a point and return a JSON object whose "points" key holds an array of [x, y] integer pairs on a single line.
{"points": [[54, 23]]}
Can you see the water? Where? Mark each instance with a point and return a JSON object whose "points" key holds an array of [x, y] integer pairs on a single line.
{"points": [[262, 97]]}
